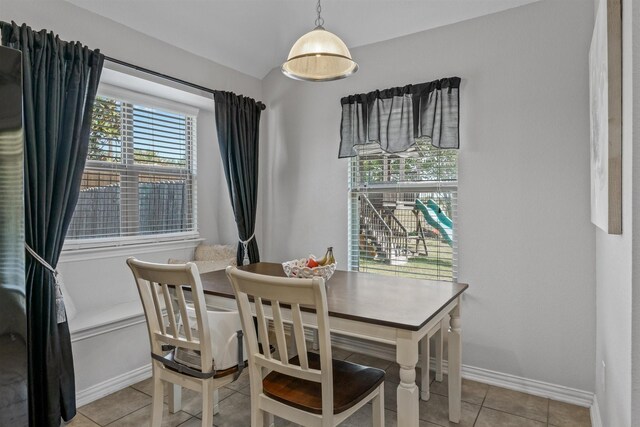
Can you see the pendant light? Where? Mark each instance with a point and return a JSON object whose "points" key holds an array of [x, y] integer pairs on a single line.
{"points": [[319, 56]]}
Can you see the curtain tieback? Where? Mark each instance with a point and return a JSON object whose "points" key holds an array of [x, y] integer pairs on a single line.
{"points": [[245, 249], [61, 314]]}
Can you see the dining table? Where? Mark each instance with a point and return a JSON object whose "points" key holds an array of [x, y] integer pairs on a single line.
{"points": [[385, 309]]}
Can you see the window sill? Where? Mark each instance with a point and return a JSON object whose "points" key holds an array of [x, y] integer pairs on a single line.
{"points": [[87, 251]]}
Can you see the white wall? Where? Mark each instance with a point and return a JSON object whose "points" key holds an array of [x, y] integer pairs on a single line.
{"points": [[526, 241], [635, 337], [614, 270], [99, 283]]}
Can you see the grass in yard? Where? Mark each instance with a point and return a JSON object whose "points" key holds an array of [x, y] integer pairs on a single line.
{"points": [[437, 265]]}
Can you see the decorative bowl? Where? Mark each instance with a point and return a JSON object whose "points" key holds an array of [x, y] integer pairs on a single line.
{"points": [[298, 268]]}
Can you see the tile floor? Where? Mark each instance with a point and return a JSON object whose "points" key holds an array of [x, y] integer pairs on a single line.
{"points": [[483, 406]]}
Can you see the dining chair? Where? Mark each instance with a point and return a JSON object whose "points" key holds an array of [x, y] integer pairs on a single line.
{"points": [[310, 389], [164, 290]]}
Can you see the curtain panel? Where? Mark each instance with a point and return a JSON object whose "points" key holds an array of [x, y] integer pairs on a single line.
{"points": [[238, 125], [60, 80], [392, 119]]}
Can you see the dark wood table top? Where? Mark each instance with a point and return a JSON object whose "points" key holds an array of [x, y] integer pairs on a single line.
{"points": [[371, 298]]}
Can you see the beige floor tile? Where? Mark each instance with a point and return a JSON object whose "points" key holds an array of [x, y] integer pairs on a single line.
{"points": [[362, 417], [364, 359], [492, 418], [390, 396], [235, 411], [115, 406], [436, 410], [564, 414], [146, 386], [142, 417], [472, 391], [192, 422], [80, 421], [241, 382], [517, 403], [281, 422], [192, 400]]}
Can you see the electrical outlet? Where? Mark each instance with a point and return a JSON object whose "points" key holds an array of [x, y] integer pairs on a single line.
{"points": [[603, 376]]}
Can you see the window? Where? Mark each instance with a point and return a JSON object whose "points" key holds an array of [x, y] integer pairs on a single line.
{"points": [[139, 179], [403, 212]]}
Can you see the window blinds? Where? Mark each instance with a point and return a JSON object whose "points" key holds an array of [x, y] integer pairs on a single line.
{"points": [[402, 213], [139, 179]]}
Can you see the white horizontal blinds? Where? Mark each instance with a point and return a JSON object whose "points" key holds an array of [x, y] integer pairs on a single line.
{"points": [[403, 213], [139, 179]]}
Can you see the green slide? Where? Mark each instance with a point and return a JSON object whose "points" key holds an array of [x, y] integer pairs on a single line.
{"points": [[437, 219]]}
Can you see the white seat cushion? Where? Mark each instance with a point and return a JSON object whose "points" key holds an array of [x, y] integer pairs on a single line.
{"points": [[223, 325]]}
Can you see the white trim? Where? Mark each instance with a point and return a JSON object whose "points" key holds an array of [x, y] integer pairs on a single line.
{"points": [[112, 385], [139, 82], [107, 326], [596, 420], [151, 101], [526, 385], [89, 253]]}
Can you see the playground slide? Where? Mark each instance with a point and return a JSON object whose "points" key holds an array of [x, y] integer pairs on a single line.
{"points": [[437, 219], [441, 216]]}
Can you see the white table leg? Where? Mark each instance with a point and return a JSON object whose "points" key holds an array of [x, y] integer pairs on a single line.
{"points": [[439, 349], [175, 398], [455, 365], [424, 367], [407, 393]]}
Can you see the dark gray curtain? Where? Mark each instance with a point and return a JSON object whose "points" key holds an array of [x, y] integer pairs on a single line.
{"points": [[391, 120], [238, 123], [60, 81]]}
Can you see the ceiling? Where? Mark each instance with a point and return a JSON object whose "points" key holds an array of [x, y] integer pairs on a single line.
{"points": [[254, 36]]}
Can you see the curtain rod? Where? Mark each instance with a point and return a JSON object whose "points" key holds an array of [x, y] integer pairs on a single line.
{"points": [[166, 77]]}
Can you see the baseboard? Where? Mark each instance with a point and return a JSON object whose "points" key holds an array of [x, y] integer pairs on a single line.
{"points": [[386, 352], [526, 385], [486, 376], [596, 420], [112, 385]]}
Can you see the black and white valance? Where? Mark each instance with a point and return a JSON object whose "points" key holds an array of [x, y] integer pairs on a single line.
{"points": [[393, 119]]}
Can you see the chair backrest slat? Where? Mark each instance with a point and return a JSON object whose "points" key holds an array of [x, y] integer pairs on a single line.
{"points": [[157, 307], [298, 335], [263, 327], [173, 280], [278, 326], [280, 292], [182, 304], [169, 304]]}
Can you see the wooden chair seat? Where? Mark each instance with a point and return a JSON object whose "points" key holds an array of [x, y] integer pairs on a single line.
{"points": [[351, 384]]}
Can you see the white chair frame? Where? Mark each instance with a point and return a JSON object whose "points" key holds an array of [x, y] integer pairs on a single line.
{"points": [[295, 293], [164, 286]]}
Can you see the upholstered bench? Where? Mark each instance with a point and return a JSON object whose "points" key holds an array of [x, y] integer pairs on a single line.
{"points": [[211, 257]]}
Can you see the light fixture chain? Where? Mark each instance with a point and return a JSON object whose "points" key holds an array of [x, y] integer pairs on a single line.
{"points": [[319, 20]]}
